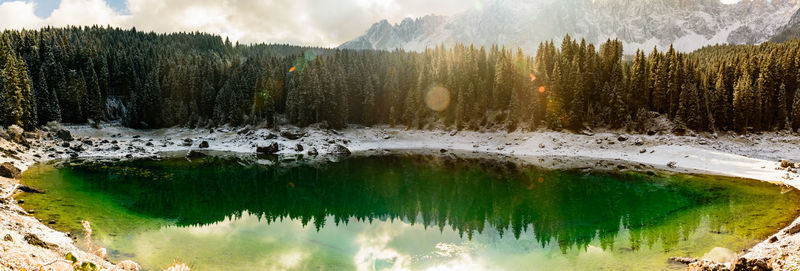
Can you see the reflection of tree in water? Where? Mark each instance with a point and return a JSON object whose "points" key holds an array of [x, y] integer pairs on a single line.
{"points": [[569, 208]]}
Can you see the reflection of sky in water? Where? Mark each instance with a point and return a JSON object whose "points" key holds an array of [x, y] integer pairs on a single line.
{"points": [[249, 243], [381, 245]]}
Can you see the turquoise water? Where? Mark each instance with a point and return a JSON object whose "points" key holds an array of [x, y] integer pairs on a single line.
{"points": [[403, 213]]}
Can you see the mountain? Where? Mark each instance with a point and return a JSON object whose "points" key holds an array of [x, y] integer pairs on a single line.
{"points": [[383, 35], [640, 24], [790, 30]]}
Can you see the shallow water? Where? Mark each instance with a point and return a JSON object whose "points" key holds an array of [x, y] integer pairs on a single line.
{"points": [[403, 213]]}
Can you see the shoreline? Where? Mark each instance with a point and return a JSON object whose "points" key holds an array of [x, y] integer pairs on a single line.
{"points": [[751, 157]]}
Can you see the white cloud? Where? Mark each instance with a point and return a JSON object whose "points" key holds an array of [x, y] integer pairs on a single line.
{"points": [[84, 12], [18, 15], [304, 22]]}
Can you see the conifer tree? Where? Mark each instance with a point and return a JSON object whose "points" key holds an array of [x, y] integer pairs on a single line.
{"points": [[796, 111], [742, 102]]}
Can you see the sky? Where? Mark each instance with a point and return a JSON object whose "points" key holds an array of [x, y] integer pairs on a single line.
{"points": [[325, 23], [303, 22]]}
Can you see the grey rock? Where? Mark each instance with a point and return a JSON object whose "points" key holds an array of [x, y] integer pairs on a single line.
{"points": [[64, 134], [293, 134], [337, 149], [269, 149]]}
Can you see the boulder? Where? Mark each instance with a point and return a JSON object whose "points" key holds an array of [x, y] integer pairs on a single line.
{"points": [[761, 264], [30, 135], [638, 141], [195, 154], [622, 138], [298, 148], [787, 164], [269, 149], [35, 241], [293, 134], [8, 170], [337, 149], [64, 134], [313, 151], [204, 145], [707, 265], [77, 148]]}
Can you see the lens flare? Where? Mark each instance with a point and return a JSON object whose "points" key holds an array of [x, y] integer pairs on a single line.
{"points": [[541, 89], [541, 180], [533, 77], [292, 69], [478, 6], [309, 55], [437, 99]]}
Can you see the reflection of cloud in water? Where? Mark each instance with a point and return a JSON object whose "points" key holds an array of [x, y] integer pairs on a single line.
{"points": [[376, 251], [238, 241], [292, 259], [374, 254]]}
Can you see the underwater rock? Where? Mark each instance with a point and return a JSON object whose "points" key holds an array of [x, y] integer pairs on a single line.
{"points": [[28, 189], [195, 154], [683, 260]]}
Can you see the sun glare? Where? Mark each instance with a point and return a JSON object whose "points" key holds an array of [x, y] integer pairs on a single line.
{"points": [[437, 99]]}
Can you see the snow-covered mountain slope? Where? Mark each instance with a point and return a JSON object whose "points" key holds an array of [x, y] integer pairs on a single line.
{"points": [[642, 24]]}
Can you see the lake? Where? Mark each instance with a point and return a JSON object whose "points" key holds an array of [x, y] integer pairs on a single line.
{"points": [[402, 212]]}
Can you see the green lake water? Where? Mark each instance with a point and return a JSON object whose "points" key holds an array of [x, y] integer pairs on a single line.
{"points": [[403, 213]]}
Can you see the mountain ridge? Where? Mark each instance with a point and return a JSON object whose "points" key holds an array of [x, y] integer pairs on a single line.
{"points": [[688, 25]]}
